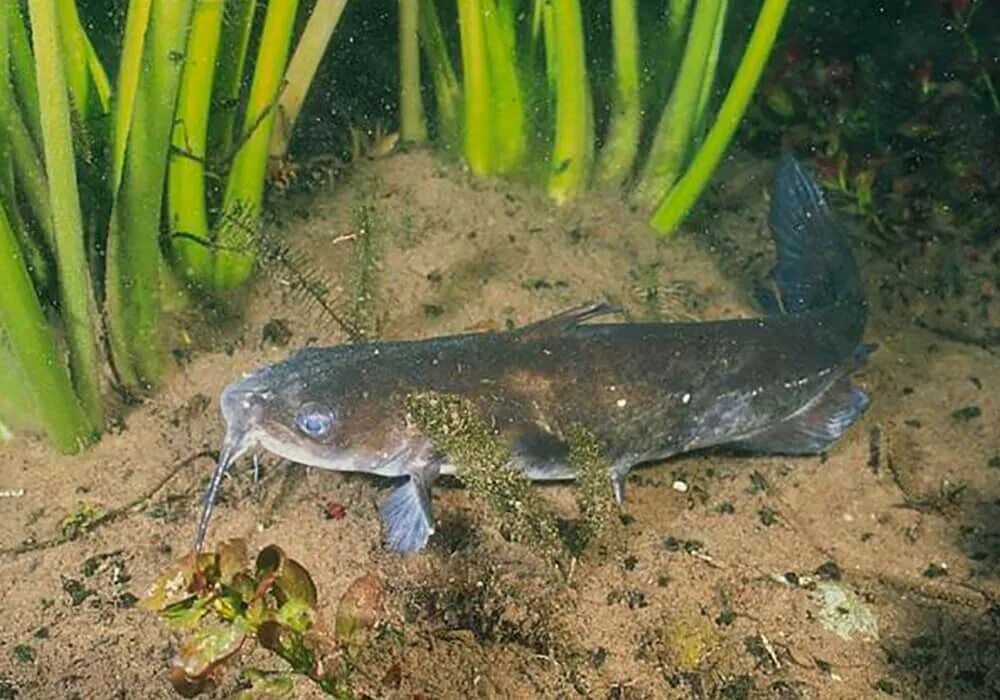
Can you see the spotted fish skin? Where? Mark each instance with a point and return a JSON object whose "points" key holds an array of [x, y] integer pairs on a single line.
{"points": [[647, 391]]}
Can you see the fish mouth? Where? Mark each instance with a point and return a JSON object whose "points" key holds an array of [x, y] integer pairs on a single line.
{"points": [[234, 446]]}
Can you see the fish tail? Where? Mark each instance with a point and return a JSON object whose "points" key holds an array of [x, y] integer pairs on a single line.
{"points": [[816, 269]]}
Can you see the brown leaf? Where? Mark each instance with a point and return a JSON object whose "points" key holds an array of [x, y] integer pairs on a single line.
{"points": [[358, 610], [295, 583], [233, 559], [269, 560]]}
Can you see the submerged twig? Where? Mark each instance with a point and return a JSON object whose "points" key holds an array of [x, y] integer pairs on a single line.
{"points": [[113, 515]]}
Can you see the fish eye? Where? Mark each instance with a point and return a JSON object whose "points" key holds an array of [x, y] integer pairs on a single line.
{"points": [[314, 420]]}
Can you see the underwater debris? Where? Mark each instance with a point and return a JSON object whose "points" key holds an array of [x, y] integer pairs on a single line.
{"points": [[687, 641], [844, 613], [365, 260], [82, 519], [455, 427]]}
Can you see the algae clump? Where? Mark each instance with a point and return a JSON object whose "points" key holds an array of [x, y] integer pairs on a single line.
{"points": [[456, 428], [594, 497]]}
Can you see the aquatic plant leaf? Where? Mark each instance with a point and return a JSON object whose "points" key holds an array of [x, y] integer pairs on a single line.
{"points": [[288, 644], [175, 584], [228, 605], [243, 586], [269, 561], [185, 614], [295, 584], [208, 646], [188, 687], [266, 685], [358, 610], [232, 559], [296, 614]]}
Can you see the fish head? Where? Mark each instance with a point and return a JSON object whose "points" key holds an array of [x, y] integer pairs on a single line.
{"points": [[296, 409]]}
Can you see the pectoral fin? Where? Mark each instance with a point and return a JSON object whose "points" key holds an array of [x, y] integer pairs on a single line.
{"points": [[406, 513]]}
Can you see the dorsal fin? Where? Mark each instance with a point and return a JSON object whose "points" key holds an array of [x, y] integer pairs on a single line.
{"points": [[569, 319]]}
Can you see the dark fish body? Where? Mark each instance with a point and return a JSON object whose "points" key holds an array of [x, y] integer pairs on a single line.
{"points": [[646, 390]]}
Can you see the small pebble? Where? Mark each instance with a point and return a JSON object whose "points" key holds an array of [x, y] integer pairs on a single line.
{"points": [[829, 571], [936, 570], [680, 486]]}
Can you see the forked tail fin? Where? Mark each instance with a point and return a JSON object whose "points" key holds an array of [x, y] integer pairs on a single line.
{"points": [[816, 268]]}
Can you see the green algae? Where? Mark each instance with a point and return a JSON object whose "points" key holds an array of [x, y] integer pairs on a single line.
{"points": [[594, 496], [456, 428]]}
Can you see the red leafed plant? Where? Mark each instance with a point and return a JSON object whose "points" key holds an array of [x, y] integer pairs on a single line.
{"points": [[219, 604]]}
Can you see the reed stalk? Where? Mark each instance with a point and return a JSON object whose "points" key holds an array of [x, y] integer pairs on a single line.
{"points": [[412, 122], [478, 126], [89, 87], [76, 293], [507, 100], [134, 260], [236, 241], [619, 152], [237, 27], [572, 150], [303, 66], [676, 127], [22, 66], [34, 361], [187, 212], [675, 206], [447, 90]]}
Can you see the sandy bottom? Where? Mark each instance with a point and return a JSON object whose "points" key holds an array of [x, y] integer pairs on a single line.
{"points": [[870, 572]]}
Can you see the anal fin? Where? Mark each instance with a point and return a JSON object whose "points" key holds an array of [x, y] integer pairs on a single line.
{"points": [[406, 515], [814, 428]]}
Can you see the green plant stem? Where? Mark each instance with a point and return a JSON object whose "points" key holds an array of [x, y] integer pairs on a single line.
{"points": [[302, 70], [134, 261], [29, 338], [136, 23], [85, 76], [187, 213], [237, 230], [237, 27], [27, 165], [412, 123], [31, 248], [618, 155], [675, 130], [16, 145], [509, 135], [681, 198], [572, 149], [477, 129], [23, 68], [447, 91], [76, 294], [711, 66], [678, 13]]}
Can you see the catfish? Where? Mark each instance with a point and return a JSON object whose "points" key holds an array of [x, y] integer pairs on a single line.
{"points": [[647, 391]]}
